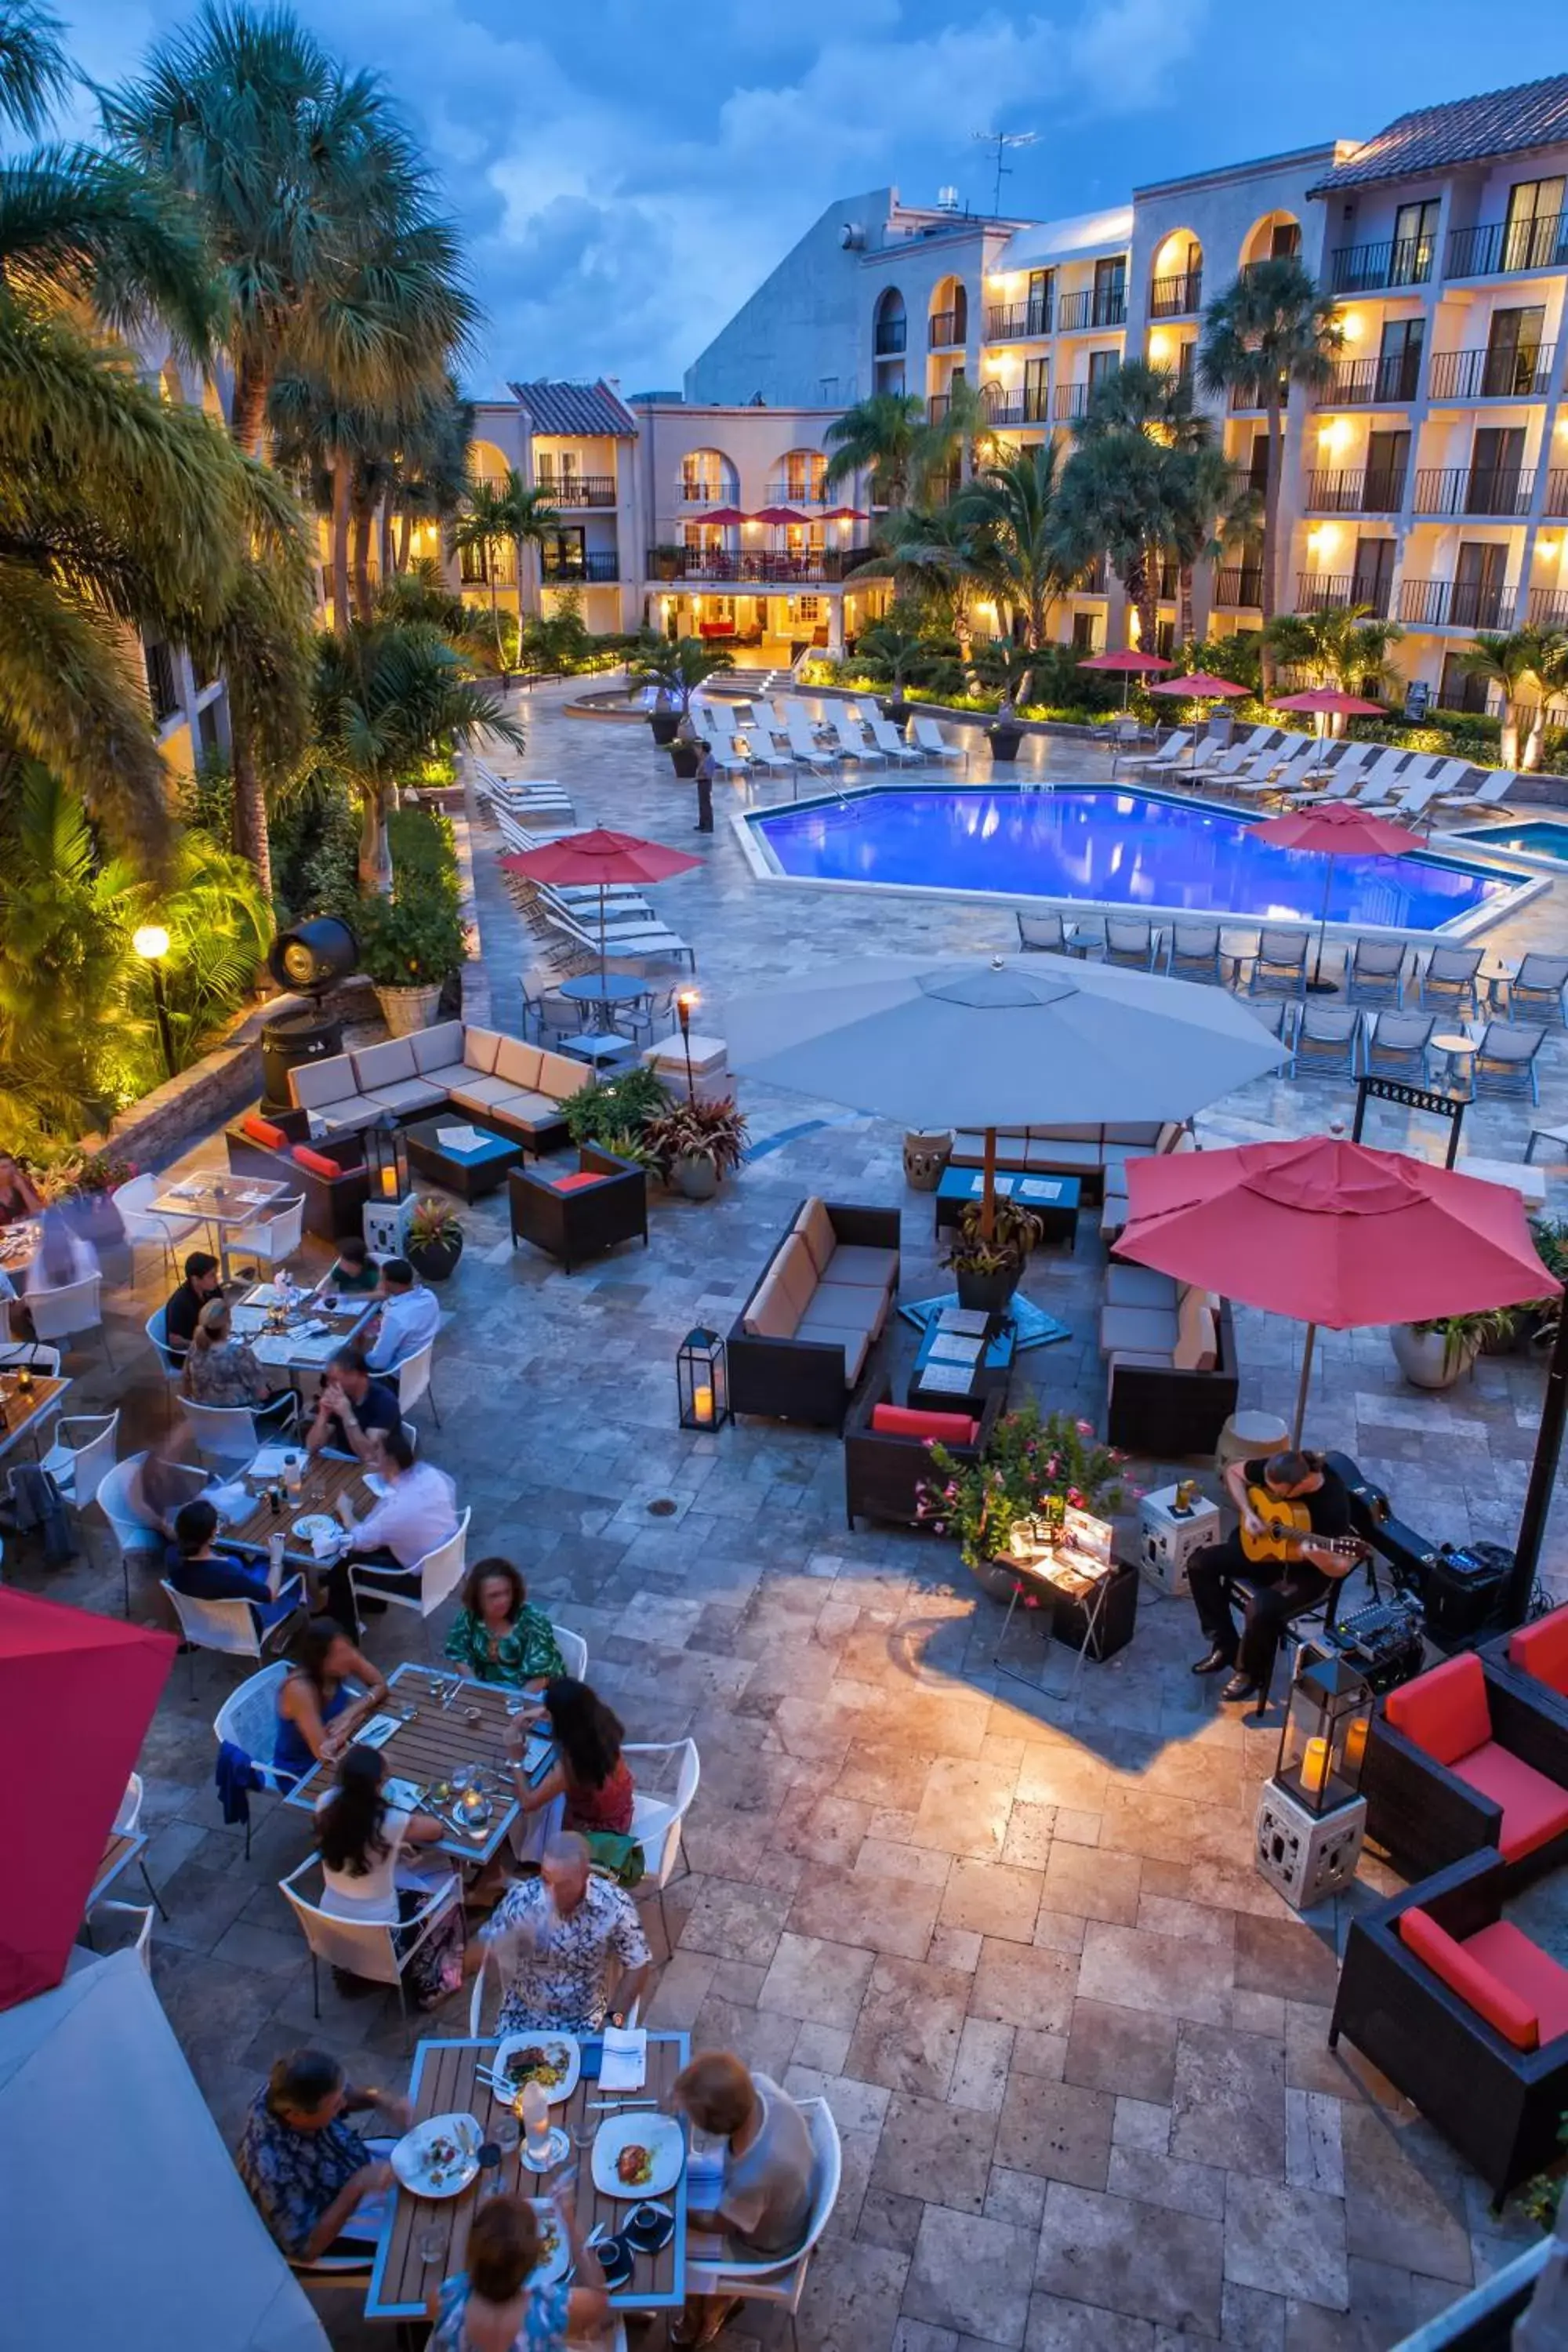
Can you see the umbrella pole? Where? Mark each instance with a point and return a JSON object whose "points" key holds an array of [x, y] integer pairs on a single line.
{"points": [[1300, 1421], [604, 966], [988, 1195], [1318, 984], [1543, 1476]]}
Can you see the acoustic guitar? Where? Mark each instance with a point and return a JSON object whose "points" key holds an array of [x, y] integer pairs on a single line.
{"points": [[1286, 1526]]}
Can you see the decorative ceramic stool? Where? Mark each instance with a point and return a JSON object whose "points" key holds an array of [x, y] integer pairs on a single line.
{"points": [[1247, 1434], [926, 1155]]}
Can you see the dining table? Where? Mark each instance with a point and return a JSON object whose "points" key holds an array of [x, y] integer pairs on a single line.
{"points": [[424, 2240], [19, 1245], [296, 1330], [26, 1411], [222, 1201], [323, 1477]]}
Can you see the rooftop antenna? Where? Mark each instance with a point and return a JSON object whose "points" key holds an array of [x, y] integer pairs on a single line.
{"points": [[1002, 141]]}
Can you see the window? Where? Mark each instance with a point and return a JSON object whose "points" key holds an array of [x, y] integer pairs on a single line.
{"points": [[1372, 582], [1415, 234], [1458, 692], [1533, 239], [473, 570], [1184, 358], [1083, 633], [1102, 366], [1513, 352], [1387, 459], [1165, 639], [1109, 292], [162, 691], [808, 608], [1036, 390], [207, 731], [1038, 320], [1285, 241], [1399, 359], [563, 554]]}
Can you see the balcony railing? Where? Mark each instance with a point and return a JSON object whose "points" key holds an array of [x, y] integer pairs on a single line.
{"points": [[1456, 604], [1247, 481], [1523, 373], [1471, 491], [798, 493], [703, 492], [1013, 323], [1341, 591], [1238, 587], [1399, 261], [1548, 608], [1178, 297], [1104, 306], [1245, 401], [597, 563], [1503, 248], [1556, 499], [944, 330], [1364, 490], [578, 490], [891, 338], [811, 567], [1381, 383]]}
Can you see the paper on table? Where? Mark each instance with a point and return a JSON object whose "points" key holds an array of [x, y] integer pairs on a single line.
{"points": [[949, 1377], [459, 1138], [268, 1463], [232, 1502], [403, 1795], [961, 1318], [953, 1347], [623, 2066], [376, 1732], [276, 1347], [246, 1319]]}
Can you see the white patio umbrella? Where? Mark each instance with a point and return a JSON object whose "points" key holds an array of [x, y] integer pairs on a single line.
{"points": [[934, 1041]]}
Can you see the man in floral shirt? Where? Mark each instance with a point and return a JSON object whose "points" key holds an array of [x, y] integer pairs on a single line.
{"points": [[306, 2167], [553, 1940]]}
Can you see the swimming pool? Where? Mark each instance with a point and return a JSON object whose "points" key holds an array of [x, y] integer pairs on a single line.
{"points": [[1105, 846], [1544, 837]]}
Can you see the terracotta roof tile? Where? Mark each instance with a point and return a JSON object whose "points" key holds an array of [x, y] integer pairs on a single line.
{"points": [[591, 408], [1502, 123]]}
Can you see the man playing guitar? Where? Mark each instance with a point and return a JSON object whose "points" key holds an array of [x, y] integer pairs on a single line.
{"points": [[1312, 1503]]}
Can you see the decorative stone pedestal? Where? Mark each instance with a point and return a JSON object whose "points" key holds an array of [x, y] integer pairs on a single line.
{"points": [[387, 1226], [926, 1155], [1306, 1857], [711, 1080], [1167, 1540]]}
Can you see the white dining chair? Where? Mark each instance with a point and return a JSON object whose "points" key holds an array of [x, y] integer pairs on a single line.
{"points": [[170, 1365], [413, 1381], [137, 1932], [130, 1533], [135, 1201], [783, 2283], [82, 1455], [127, 1821], [274, 1238], [574, 1652], [68, 1307], [361, 1947], [439, 1572], [656, 1820], [230, 1627], [225, 1433]]}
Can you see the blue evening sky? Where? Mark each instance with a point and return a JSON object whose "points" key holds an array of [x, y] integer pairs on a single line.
{"points": [[628, 170]]}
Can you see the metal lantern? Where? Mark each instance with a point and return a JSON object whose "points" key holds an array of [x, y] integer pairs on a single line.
{"points": [[387, 1157], [1324, 1742], [702, 1381]]}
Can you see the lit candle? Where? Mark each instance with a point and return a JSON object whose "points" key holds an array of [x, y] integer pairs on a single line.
{"points": [[702, 1404], [1315, 1767], [536, 2120], [1355, 1745], [389, 1183]]}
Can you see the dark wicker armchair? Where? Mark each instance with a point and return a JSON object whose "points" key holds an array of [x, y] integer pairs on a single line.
{"points": [[334, 1205], [1493, 2077], [574, 1214], [1457, 1762], [883, 1471]]}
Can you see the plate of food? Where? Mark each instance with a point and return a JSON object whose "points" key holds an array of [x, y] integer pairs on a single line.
{"points": [[639, 2155], [314, 1524], [438, 2158], [554, 2246], [553, 2061]]}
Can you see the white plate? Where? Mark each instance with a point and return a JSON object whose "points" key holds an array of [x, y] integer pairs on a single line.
{"points": [[411, 2158], [659, 2134], [314, 1524], [558, 2261], [560, 2045]]}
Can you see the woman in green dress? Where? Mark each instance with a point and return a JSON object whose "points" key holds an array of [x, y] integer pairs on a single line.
{"points": [[497, 1636]]}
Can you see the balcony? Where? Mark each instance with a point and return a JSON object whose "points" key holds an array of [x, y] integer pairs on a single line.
{"points": [[598, 564], [1176, 297], [1511, 374], [1363, 268], [1507, 249], [1106, 307], [1456, 604], [1094, 580], [891, 337], [1362, 491], [944, 330], [1238, 588], [702, 491], [1245, 401], [1385, 382], [1070, 400], [1341, 591], [1548, 608], [1504, 490], [1014, 323], [814, 567], [569, 490], [1556, 499], [799, 494]]}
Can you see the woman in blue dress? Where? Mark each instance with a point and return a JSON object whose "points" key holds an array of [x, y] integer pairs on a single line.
{"points": [[492, 2307], [317, 1709]]}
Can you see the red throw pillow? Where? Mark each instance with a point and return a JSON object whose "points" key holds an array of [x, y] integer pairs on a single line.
{"points": [[1485, 1994], [575, 1183], [1542, 1650], [261, 1130], [1444, 1712], [946, 1428], [316, 1161]]}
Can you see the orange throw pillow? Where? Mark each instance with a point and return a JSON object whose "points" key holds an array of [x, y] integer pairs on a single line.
{"points": [[945, 1428], [261, 1130], [1485, 1994], [316, 1163]]}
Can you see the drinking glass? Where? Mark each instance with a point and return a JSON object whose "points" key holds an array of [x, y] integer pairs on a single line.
{"points": [[431, 2244], [508, 2131]]}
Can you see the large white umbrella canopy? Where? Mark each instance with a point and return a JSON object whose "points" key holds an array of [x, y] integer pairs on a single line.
{"points": [[933, 1041]]}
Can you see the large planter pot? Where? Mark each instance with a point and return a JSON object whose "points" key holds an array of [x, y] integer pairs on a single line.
{"points": [[894, 708], [694, 1176], [926, 1154], [405, 1009], [987, 1294], [1004, 740], [662, 725], [434, 1261], [1427, 1359], [685, 759]]}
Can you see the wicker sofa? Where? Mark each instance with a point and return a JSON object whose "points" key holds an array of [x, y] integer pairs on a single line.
{"points": [[801, 1342], [1459, 1760], [884, 1469], [330, 1173], [515, 1087], [1533, 1662], [1169, 1363]]}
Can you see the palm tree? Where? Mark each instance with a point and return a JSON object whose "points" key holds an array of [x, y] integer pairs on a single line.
{"points": [[1272, 327], [931, 555], [880, 437], [1511, 663], [676, 668], [948, 445], [526, 517], [387, 698], [35, 74], [1012, 506], [1340, 648], [429, 474], [480, 530]]}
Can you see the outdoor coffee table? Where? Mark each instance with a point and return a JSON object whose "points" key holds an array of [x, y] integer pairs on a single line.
{"points": [[1053, 1199], [948, 1377], [601, 1049], [445, 2082], [471, 1173], [601, 990]]}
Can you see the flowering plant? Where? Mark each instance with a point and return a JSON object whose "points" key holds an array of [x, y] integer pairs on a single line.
{"points": [[1029, 1462]]}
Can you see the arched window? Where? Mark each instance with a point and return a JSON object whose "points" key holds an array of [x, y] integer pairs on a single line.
{"points": [[1176, 289], [799, 480], [949, 320], [709, 478], [1276, 237], [890, 325]]}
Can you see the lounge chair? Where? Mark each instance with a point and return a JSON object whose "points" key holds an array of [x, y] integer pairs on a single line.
{"points": [[1505, 1059], [853, 744], [1396, 1046], [1279, 966], [804, 744], [1131, 942], [1191, 765], [1537, 987], [1285, 781], [1414, 799], [633, 941], [930, 738], [1449, 979], [1170, 749], [1279, 1019], [890, 743], [1235, 767], [1493, 795], [1041, 934], [1194, 953], [1327, 1041], [1377, 780], [728, 757], [1375, 974]]}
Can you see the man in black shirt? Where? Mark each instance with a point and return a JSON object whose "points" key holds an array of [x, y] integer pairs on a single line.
{"points": [[1284, 1586], [180, 1315], [352, 1409]]}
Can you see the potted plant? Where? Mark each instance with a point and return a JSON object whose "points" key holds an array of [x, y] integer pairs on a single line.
{"points": [[1029, 1462], [434, 1239], [1551, 1248], [1009, 671], [1435, 1354], [410, 945], [988, 1269], [697, 1143], [675, 669], [903, 655], [666, 561], [620, 1108]]}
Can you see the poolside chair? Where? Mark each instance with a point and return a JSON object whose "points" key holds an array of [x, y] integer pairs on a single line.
{"points": [[1279, 966], [1414, 800], [1327, 1041], [1492, 795], [1396, 1046], [633, 941], [804, 745], [1375, 973], [1279, 1017], [1128, 735], [1235, 768], [930, 740], [1041, 934], [1170, 749], [1131, 942], [853, 743], [1285, 781], [727, 756], [1448, 979], [1194, 953], [1537, 987], [760, 745], [1192, 764], [1377, 779], [890, 743], [1505, 1059]]}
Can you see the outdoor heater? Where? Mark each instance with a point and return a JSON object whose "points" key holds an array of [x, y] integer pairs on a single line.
{"points": [[702, 1381], [1311, 1816]]}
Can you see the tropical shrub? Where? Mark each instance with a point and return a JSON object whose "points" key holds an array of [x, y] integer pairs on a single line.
{"points": [[413, 939], [1030, 1460]]}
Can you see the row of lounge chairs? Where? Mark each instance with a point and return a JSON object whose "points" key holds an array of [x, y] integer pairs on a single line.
{"points": [[1332, 1040], [743, 736], [565, 918], [1267, 764]]}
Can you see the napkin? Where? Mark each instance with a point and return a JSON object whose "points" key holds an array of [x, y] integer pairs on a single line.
{"points": [[376, 1733], [270, 1462], [231, 1502], [623, 2066], [325, 1542]]}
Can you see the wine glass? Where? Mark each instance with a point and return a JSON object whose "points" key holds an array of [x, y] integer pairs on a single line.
{"points": [[507, 2132], [431, 2244]]}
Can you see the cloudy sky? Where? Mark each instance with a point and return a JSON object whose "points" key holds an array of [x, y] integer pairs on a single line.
{"points": [[628, 170]]}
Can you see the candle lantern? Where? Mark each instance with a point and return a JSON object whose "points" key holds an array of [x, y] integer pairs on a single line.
{"points": [[391, 1203], [1311, 1816], [702, 1381]]}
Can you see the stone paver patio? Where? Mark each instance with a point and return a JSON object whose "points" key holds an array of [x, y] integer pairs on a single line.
{"points": [[1075, 2047]]}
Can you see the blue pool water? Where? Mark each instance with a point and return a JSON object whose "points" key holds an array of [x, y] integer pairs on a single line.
{"points": [[1100, 843], [1541, 839]]}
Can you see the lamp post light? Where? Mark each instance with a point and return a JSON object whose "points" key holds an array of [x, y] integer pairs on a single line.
{"points": [[150, 942], [684, 1001]]}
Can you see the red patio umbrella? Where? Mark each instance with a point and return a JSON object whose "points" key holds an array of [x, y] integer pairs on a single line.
{"points": [[1199, 687], [780, 515], [1337, 829], [1333, 1232], [1130, 662], [725, 515], [599, 859], [1331, 702], [846, 514]]}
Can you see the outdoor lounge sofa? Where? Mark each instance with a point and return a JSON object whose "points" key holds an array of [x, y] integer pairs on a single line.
{"points": [[278, 1145], [1169, 1363], [1457, 1760], [801, 1342], [884, 1468], [1095, 1155], [516, 1087]]}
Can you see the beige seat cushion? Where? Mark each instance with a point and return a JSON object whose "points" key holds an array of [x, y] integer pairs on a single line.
{"points": [[386, 1065], [1132, 1356], [1196, 1349], [473, 1093], [317, 1085], [560, 1075], [438, 1048], [526, 1109], [407, 1095], [857, 1345], [1135, 1134], [480, 1047], [449, 1074], [1138, 1286], [1067, 1133], [793, 1268], [348, 1117], [815, 1227], [1066, 1154], [1146, 1328], [517, 1064], [769, 1315], [842, 1308], [871, 1269]]}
